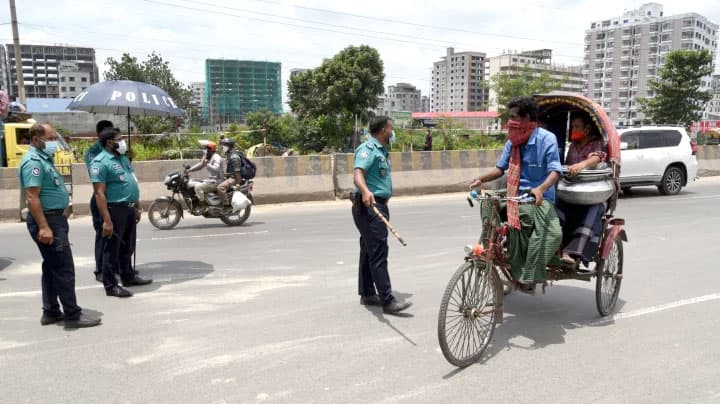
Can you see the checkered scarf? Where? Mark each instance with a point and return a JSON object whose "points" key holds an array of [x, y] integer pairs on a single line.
{"points": [[518, 134]]}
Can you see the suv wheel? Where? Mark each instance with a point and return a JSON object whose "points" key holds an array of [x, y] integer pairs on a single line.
{"points": [[672, 181]]}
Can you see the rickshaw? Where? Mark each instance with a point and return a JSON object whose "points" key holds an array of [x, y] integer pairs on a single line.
{"points": [[472, 304]]}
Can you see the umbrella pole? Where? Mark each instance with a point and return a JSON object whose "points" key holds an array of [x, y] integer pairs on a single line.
{"points": [[128, 122]]}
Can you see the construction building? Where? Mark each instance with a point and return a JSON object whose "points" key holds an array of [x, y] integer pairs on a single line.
{"points": [[47, 69], [624, 53], [233, 88], [536, 63], [458, 82]]}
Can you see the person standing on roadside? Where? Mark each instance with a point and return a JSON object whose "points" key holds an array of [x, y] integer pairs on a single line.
{"points": [[91, 153], [117, 195], [47, 200], [374, 188]]}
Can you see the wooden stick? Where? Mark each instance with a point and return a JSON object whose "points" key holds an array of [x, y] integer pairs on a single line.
{"points": [[389, 226]]}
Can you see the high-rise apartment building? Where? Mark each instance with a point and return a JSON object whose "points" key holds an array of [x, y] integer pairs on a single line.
{"points": [[198, 94], [41, 70], [233, 88], [403, 97], [622, 54], [536, 63], [458, 82], [712, 111]]}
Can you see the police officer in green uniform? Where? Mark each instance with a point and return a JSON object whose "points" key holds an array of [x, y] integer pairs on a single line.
{"points": [[91, 153], [47, 199], [374, 187], [117, 195]]}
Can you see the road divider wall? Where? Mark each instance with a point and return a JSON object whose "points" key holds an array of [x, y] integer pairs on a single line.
{"points": [[313, 178]]}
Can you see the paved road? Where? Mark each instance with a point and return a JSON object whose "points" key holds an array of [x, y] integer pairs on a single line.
{"points": [[274, 316]]}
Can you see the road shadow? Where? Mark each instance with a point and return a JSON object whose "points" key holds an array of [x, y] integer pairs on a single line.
{"points": [[385, 318], [4, 263], [171, 272], [653, 192], [536, 322], [219, 225]]}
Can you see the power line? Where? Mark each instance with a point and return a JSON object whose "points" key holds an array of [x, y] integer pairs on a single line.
{"points": [[410, 23], [361, 31]]}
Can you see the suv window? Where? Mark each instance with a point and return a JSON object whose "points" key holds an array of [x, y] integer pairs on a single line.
{"points": [[651, 139]]}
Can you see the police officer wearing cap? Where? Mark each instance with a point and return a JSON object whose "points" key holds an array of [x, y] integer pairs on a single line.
{"points": [[117, 195], [374, 187], [47, 199], [91, 153]]}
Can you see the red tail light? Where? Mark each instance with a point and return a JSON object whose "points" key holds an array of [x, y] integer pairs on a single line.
{"points": [[693, 146]]}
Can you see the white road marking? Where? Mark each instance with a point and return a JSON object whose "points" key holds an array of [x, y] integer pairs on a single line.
{"points": [[203, 236], [658, 308]]}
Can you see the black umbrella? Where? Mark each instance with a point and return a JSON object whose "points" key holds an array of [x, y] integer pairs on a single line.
{"points": [[125, 97]]}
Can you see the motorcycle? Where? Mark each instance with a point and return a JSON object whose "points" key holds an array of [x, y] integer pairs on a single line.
{"points": [[165, 212]]}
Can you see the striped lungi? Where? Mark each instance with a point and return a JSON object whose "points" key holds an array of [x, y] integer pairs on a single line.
{"points": [[536, 243]]}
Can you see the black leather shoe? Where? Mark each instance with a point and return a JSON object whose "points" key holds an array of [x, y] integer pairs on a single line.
{"points": [[395, 307], [99, 277], [373, 300], [118, 291], [137, 281], [82, 322], [48, 319]]}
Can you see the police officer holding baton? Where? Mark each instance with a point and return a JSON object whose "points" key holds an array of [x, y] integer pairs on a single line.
{"points": [[47, 200], [374, 188], [117, 195]]}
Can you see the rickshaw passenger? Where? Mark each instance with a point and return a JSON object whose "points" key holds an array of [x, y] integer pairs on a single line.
{"points": [[581, 224], [533, 163]]}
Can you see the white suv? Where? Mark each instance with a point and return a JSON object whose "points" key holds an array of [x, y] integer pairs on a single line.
{"points": [[664, 156]]}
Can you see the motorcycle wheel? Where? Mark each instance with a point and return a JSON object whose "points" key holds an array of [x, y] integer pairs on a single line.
{"points": [[237, 218], [164, 214]]}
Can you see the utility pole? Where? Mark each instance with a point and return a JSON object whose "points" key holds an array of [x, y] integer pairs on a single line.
{"points": [[18, 56]]}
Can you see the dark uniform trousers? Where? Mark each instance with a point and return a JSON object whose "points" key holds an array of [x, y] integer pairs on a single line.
{"points": [[58, 267], [118, 249], [373, 268], [99, 240]]}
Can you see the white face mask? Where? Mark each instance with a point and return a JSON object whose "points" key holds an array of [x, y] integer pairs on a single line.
{"points": [[225, 149], [122, 147]]}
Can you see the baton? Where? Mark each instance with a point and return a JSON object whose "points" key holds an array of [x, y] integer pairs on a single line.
{"points": [[389, 226]]}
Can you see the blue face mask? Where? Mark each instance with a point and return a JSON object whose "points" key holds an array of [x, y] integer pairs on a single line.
{"points": [[393, 138], [50, 147]]}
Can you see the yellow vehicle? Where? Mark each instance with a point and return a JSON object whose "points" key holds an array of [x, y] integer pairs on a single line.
{"points": [[15, 144]]}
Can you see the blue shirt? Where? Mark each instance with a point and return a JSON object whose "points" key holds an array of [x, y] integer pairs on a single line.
{"points": [[373, 158], [540, 157], [38, 171], [93, 152], [117, 175]]}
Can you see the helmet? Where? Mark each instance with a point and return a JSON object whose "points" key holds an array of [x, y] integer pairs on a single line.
{"points": [[208, 144], [227, 142]]}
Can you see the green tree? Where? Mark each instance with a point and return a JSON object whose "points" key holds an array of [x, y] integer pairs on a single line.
{"points": [[522, 82], [678, 99], [156, 71], [265, 126], [328, 99]]}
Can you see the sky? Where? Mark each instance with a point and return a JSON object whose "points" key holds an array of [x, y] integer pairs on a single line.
{"points": [[410, 35]]}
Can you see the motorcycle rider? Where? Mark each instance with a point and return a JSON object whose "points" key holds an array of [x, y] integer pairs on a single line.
{"points": [[214, 164], [233, 168]]}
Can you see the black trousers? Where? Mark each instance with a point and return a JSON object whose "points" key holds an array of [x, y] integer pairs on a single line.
{"points": [[99, 240], [373, 273], [58, 268], [118, 249]]}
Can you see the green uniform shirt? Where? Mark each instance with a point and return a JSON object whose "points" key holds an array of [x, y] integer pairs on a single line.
{"points": [[374, 159], [117, 175], [37, 170], [91, 153]]}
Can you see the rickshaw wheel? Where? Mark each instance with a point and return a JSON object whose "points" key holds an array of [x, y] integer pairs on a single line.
{"points": [[469, 312], [609, 278]]}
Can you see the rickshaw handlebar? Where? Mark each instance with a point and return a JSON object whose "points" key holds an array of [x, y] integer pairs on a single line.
{"points": [[475, 196]]}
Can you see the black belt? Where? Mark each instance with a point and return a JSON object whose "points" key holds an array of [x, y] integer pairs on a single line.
{"points": [[123, 204], [378, 199], [54, 212]]}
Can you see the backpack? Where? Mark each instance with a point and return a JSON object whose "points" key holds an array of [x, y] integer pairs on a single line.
{"points": [[248, 168]]}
